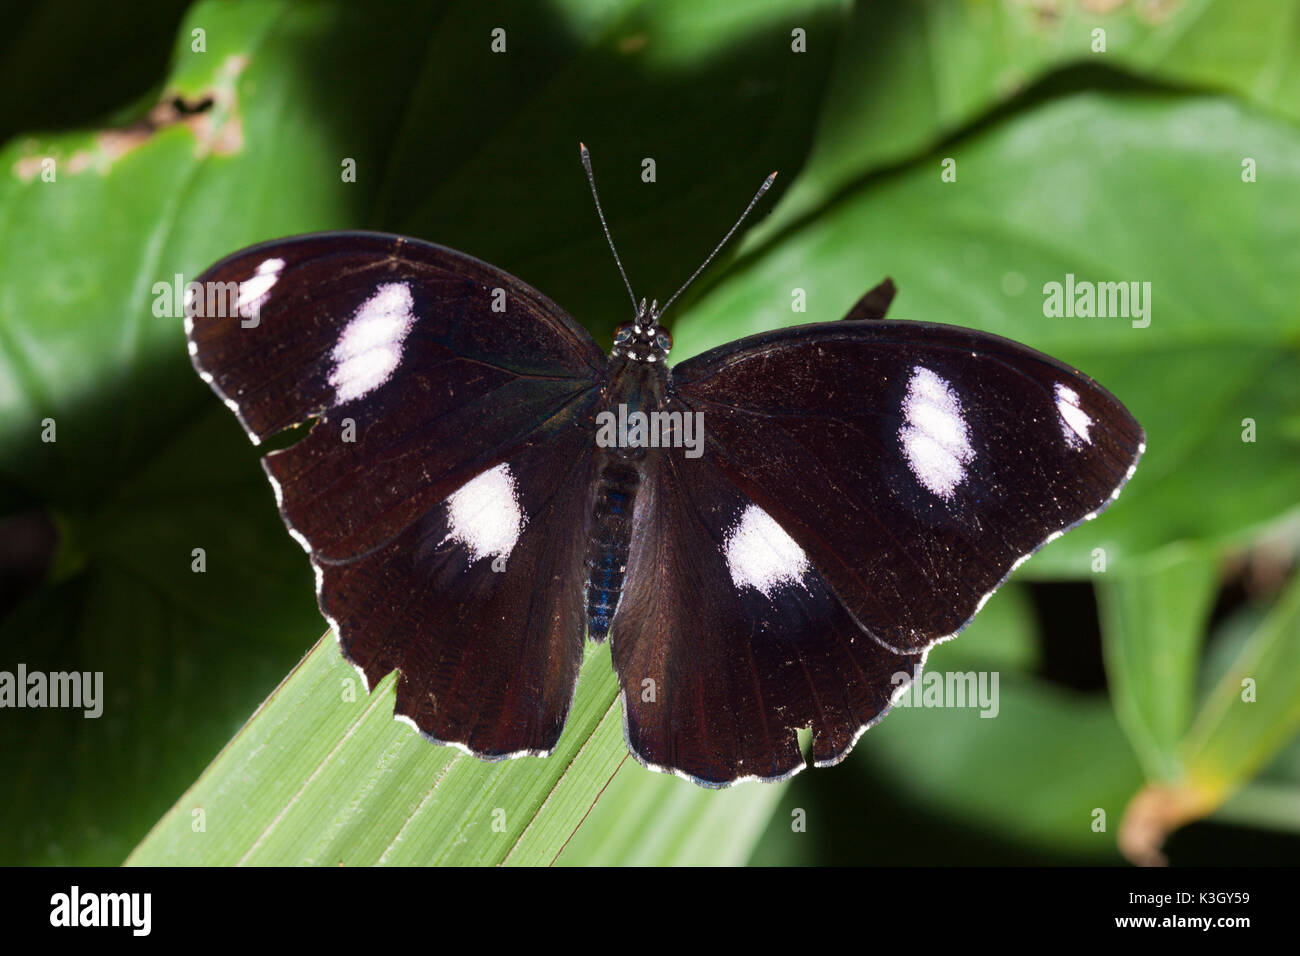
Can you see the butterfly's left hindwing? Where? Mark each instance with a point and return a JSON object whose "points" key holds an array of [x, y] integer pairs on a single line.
{"points": [[479, 603]]}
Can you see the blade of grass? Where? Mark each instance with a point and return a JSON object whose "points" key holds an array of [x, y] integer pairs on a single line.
{"points": [[1153, 620], [1255, 709], [322, 774]]}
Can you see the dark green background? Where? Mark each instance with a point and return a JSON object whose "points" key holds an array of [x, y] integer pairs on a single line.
{"points": [[1122, 165]]}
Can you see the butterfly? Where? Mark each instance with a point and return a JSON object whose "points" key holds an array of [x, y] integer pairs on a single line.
{"points": [[771, 535]]}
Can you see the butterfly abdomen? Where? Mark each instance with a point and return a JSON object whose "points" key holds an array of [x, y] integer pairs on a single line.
{"points": [[607, 553]]}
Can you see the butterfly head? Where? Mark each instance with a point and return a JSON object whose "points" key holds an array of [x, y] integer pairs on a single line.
{"points": [[642, 339]]}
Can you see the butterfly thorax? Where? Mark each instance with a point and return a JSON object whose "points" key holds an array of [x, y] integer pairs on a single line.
{"points": [[635, 389]]}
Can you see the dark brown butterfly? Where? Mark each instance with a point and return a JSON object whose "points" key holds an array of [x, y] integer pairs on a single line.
{"points": [[772, 534]]}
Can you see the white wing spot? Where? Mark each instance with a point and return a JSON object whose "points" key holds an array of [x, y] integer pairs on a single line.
{"points": [[1075, 422], [370, 348], [934, 435], [253, 292], [761, 555], [484, 515]]}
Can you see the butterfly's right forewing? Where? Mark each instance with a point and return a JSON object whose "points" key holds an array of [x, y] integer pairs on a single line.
{"points": [[916, 464]]}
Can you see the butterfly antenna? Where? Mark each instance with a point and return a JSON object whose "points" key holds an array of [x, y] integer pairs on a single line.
{"points": [[767, 184], [586, 164]]}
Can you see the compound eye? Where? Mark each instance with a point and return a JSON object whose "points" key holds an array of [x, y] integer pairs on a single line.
{"points": [[664, 341], [623, 335]]}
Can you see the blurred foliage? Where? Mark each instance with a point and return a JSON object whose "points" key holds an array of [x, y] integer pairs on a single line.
{"points": [[1116, 165]]}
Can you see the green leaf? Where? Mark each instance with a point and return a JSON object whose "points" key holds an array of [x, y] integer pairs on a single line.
{"points": [[1035, 775], [1264, 805], [1153, 623], [1239, 729], [1272, 797], [908, 74]]}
